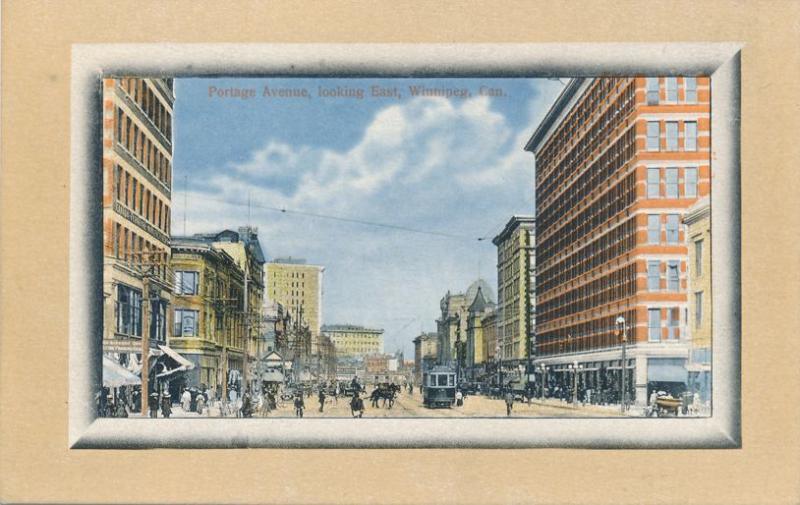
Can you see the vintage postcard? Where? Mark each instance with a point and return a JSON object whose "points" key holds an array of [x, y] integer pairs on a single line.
{"points": [[349, 254], [446, 245]]}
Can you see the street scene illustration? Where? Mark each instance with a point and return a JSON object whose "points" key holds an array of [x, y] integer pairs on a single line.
{"points": [[406, 247]]}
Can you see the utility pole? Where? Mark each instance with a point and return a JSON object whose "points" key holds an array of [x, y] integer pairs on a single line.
{"points": [[245, 366], [145, 395]]}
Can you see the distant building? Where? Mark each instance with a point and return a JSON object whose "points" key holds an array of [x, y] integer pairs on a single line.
{"points": [[452, 323], [516, 299], [297, 286], [425, 346], [475, 348], [489, 329], [351, 340], [698, 238]]}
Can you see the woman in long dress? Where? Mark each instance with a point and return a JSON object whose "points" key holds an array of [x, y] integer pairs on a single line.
{"points": [[186, 400]]}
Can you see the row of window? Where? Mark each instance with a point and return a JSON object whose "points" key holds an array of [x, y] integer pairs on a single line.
{"points": [[672, 235], [128, 312], [146, 152], [138, 198], [575, 206], [671, 184], [132, 248], [670, 140], [145, 98], [576, 142], [616, 285], [595, 334], [655, 330], [671, 90], [654, 271]]}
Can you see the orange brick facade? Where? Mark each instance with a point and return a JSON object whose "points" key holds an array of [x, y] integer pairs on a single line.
{"points": [[137, 187], [618, 162]]}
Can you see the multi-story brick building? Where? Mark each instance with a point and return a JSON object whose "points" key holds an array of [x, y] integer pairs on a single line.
{"points": [[245, 249], [137, 195], [618, 162], [516, 299], [209, 314], [351, 340]]}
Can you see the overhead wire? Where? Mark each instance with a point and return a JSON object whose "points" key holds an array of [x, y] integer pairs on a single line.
{"points": [[332, 217]]}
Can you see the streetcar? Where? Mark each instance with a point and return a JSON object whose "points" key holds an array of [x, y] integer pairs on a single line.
{"points": [[439, 385]]}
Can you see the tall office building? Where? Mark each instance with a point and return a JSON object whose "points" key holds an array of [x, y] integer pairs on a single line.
{"points": [[516, 299], [298, 287], [618, 162], [137, 195]]}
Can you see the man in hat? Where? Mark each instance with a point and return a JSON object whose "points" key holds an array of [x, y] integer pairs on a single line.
{"points": [[166, 405], [299, 404], [509, 401], [321, 399], [153, 405]]}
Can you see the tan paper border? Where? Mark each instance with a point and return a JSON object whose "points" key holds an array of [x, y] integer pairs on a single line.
{"points": [[37, 467]]}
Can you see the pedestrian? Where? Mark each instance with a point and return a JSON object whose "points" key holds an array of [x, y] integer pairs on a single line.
{"points": [[201, 403], [166, 405], [299, 405], [233, 399], [509, 401], [374, 397], [247, 405], [321, 399], [336, 394], [186, 400], [357, 406], [459, 398], [152, 405]]}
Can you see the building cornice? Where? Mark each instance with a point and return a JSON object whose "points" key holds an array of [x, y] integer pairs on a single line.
{"points": [[560, 106]]}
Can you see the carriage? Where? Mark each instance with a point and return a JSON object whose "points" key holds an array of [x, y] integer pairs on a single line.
{"points": [[439, 385]]}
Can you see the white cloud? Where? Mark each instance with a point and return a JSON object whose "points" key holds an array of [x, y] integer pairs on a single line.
{"points": [[427, 163]]}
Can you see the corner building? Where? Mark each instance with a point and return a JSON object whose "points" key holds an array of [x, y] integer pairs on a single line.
{"points": [[618, 162]]}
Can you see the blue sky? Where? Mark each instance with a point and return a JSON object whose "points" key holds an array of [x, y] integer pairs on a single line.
{"points": [[450, 165]]}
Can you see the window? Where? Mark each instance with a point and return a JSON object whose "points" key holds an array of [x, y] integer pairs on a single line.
{"points": [[698, 309], [698, 257], [129, 310], [672, 182], [654, 325], [652, 91], [690, 136], [118, 183], [159, 332], [185, 323], [673, 323], [671, 84], [690, 89], [673, 276], [653, 228], [653, 134], [690, 182], [653, 182], [653, 275], [186, 283], [672, 135], [672, 228]]}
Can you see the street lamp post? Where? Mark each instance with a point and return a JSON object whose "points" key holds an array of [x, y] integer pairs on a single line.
{"points": [[623, 368], [543, 368]]}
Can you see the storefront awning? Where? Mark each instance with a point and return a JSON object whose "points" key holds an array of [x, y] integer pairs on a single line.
{"points": [[173, 362], [115, 375]]}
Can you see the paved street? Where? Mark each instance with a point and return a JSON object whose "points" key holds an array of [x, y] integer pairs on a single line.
{"points": [[411, 406]]}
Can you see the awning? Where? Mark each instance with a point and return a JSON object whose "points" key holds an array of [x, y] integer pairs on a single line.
{"points": [[666, 370], [173, 362], [115, 375], [272, 376]]}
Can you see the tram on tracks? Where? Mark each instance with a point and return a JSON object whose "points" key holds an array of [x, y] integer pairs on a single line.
{"points": [[439, 387]]}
